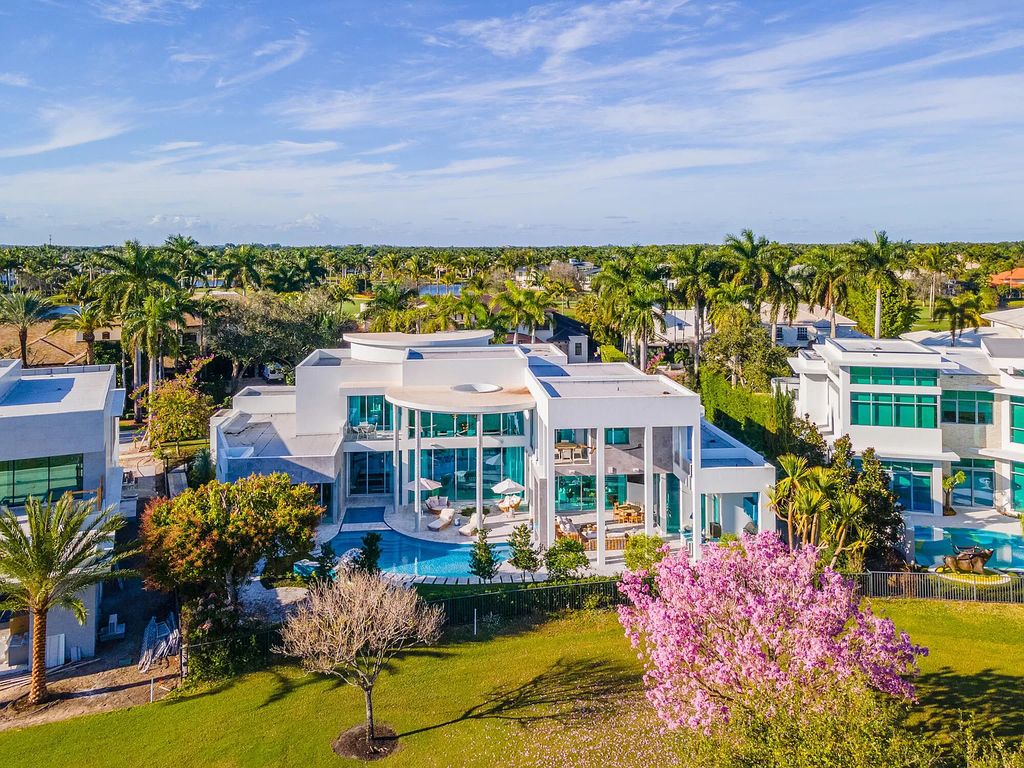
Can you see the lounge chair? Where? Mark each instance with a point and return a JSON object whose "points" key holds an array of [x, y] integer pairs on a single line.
{"points": [[469, 529], [443, 520]]}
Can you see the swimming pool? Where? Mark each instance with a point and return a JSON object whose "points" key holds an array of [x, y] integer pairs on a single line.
{"points": [[416, 557], [932, 544]]}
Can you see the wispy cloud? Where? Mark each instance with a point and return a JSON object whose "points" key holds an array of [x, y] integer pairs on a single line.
{"points": [[475, 165], [328, 111], [135, 11], [388, 149], [72, 125], [193, 57], [269, 58], [14, 79]]}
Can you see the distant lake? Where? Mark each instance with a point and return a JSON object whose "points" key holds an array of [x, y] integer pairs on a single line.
{"points": [[436, 289]]}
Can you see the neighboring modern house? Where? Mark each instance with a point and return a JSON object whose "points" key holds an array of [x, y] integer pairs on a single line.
{"points": [[807, 326], [569, 335], [928, 408], [364, 423], [58, 433]]}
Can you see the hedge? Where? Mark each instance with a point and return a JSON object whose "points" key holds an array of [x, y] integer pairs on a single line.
{"points": [[612, 354], [747, 416]]}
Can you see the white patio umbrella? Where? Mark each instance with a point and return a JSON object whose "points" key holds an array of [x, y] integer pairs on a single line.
{"points": [[424, 484], [507, 486]]}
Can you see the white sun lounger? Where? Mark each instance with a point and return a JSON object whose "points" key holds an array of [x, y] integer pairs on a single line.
{"points": [[443, 520]]}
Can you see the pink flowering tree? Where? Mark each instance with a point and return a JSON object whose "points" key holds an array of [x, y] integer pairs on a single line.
{"points": [[753, 627]]}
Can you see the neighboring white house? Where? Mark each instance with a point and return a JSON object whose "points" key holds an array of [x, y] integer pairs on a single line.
{"points": [[928, 408], [363, 423], [58, 433], [807, 326]]}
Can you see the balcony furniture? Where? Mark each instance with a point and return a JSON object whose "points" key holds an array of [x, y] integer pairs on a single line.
{"points": [[510, 504], [365, 429], [613, 543], [628, 512], [443, 520]]}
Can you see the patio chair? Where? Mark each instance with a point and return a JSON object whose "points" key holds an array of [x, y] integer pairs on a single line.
{"points": [[469, 529], [435, 504], [443, 520]]}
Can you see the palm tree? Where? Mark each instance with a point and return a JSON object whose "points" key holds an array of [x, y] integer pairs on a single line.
{"points": [[934, 262], [188, 258], [417, 267], [388, 267], [242, 266], [521, 307], [22, 310], [827, 277], [440, 312], [779, 288], [85, 319], [641, 318], [695, 270], [152, 327], [390, 308], [875, 261], [795, 474], [61, 549], [729, 304], [962, 311], [473, 308], [745, 256]]}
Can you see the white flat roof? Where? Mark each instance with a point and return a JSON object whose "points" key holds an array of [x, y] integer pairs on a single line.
{"points": [[399, 340], [273, 434], [650, 386], [42, 391], [461, 398]]}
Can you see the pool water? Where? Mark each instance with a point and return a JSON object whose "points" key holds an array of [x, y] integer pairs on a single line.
{"points": [[416, 557], [932, 544], [364, 515]]}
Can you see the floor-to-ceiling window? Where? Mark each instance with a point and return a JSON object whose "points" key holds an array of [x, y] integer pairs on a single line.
{"points": [[503, 423], [912, 484], [43, 478], [444, 424], [1017, 486], [876, 409], [1017, 419], [578, 493], [978, 488], [453, 468], [501, 464], [370, 472], [616, 436], [966, 407], [673, 496], [369, 409]]}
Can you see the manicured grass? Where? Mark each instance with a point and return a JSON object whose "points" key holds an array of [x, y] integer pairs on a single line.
{"points": [[495, 700]]}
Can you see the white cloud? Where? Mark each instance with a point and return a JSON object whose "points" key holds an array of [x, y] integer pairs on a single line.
{"points": [[475, 165], [328, 111], [14, 79], [193, 57], [174, 146], [388, 149], [271, 57], [135, 11], [72, 125]]}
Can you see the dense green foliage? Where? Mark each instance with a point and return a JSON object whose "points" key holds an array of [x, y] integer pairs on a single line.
{"points": [[483, 560], [643, 551], [523, 554], [565, 559]]}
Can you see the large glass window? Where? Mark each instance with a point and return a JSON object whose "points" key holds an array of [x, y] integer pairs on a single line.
{"points": [[978, 490], [1017, 486], [912, 484], [370, 472], [577, 493], [503, 423], [369, 409], [454, 469], [44, 478], [899, 377], [1017, 419], [502, 463], [673, 493], [961, 407], [616, 436], [879, 409]]}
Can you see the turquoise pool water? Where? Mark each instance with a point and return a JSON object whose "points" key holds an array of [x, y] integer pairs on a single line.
{"points": [[416, 557], [932, 544]]}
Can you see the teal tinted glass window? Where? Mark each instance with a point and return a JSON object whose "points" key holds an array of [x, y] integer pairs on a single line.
{"points": [[617, 436], [860, 375]]}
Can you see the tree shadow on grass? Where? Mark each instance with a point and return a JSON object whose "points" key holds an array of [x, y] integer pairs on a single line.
{"points": [[993, 699], [564, 691]]}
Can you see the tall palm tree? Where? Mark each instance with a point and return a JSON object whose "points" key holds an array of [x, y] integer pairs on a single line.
{"points": [[828, 273], [417, 267], [961, 311], [933, 262], [473, 308], [85, 319], [641, 318], [152, 327], [242, 266], [745, 256], [22, 310], [188, 258], [521, 308], [388, 267], [391, 308], [795, 475], [440, 312], [779, 289], [62, 548], [729, 304], [875, 261], [695, 270]]}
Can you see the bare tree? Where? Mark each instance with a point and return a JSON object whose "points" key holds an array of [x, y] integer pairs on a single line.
{"points": [[353, 626]]}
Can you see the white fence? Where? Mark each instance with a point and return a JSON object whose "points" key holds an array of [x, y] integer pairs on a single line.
{"points": [[998, 588]]}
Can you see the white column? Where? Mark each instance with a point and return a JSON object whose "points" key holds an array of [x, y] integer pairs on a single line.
{"points": [[479, 470], [762, 514], [601, 495], [648, 480], [396, 457], [663, 500], [549, 493], [417, 468], [695, 490]]}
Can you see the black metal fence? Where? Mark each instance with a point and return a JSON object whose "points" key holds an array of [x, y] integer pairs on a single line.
{"points": [[996, 588], [516, 603]]}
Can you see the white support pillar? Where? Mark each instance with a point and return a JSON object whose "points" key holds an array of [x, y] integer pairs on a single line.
{"points": [[396, 457], [762, 513], [417, 470], [649, 480], [695, 491], [663, 501], [549, 491], [479, 470], [602, 520]]}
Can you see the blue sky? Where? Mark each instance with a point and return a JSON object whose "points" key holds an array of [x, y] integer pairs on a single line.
{"points": [[481, 122]]}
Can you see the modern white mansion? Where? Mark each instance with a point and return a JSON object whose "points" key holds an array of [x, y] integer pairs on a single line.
{"points": [[58, 433], [928, 408], [371, 420]]}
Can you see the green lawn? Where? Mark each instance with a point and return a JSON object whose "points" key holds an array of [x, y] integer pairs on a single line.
{"points": [[506, 700]]}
